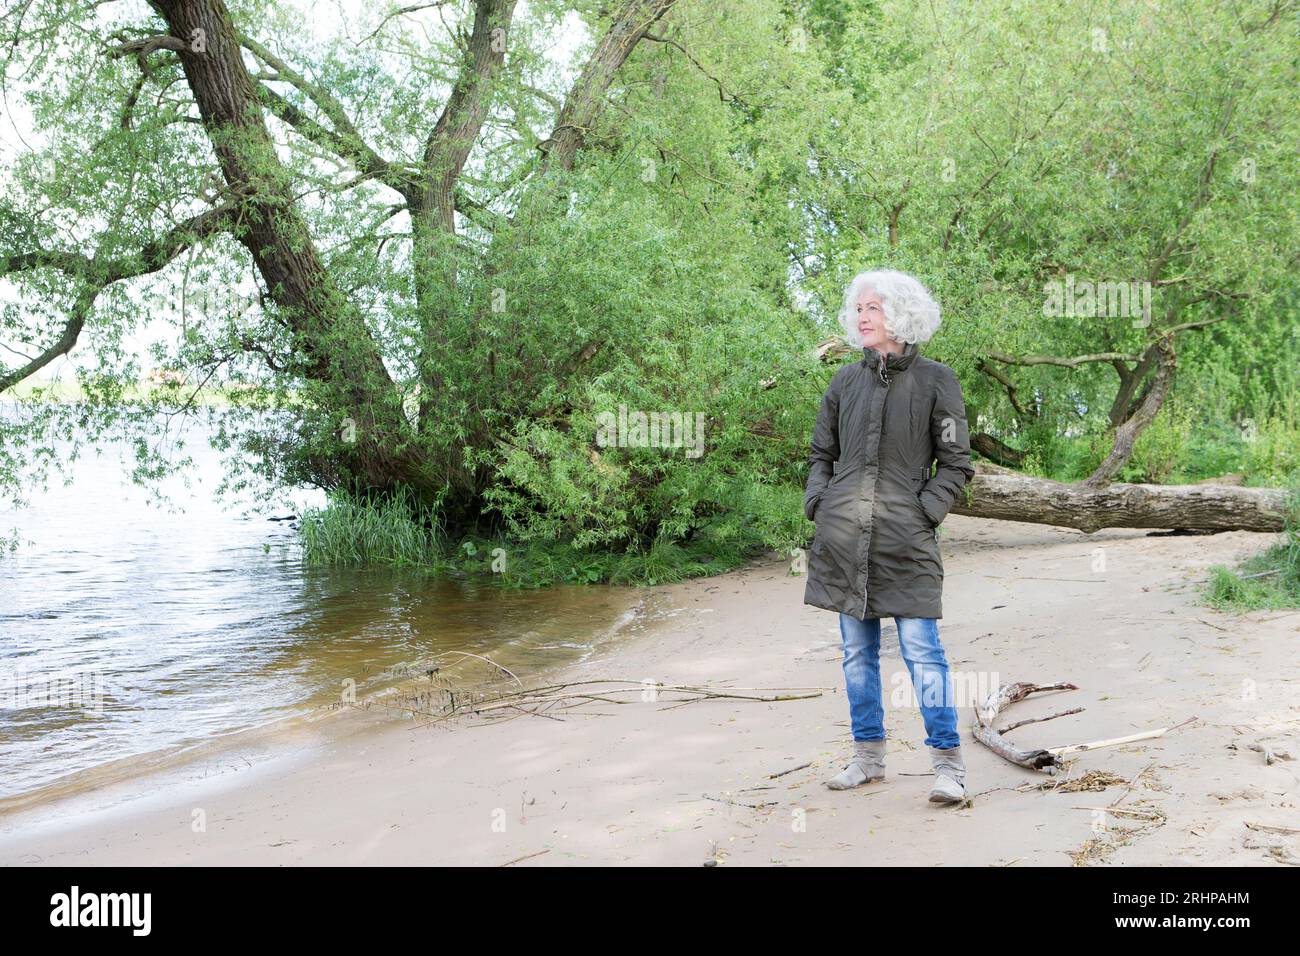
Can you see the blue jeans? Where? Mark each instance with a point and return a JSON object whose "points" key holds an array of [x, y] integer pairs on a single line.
{"points": [[919, 640]]}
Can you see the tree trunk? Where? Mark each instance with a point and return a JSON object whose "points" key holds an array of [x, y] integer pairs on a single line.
{"points": [[330, 332], [1126, 434], [586, 99], [1200, 507], [996, 450]]}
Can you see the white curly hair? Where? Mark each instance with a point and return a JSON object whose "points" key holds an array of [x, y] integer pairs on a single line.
{"points": [[911, 315]]}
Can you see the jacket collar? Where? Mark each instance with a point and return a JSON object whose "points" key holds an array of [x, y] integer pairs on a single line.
{"points": [[893, 363]]}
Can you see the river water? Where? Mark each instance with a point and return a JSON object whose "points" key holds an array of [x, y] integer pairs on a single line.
{"points": [[131, 633]]}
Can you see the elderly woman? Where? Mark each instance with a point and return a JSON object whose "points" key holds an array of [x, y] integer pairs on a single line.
{"points": [[883, 422]]}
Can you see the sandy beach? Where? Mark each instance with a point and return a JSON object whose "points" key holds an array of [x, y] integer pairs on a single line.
{"points": [[653, 783]]}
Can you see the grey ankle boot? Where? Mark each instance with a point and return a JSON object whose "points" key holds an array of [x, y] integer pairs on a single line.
{"points": [[949, 775], [866, 765]]}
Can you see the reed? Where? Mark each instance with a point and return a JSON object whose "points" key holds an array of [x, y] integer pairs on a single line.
{"points": [[364, 532]]}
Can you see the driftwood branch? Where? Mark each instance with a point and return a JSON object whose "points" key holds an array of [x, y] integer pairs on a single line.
{"points": [[1110, 742], [1038, 720], [989, 736], [442, 699], [1044, 758]]}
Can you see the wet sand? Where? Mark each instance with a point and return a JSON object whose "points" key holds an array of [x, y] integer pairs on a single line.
{"points": [[651, 783]]}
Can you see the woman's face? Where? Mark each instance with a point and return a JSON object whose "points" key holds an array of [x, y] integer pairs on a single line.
{"points": [[871, 323]]}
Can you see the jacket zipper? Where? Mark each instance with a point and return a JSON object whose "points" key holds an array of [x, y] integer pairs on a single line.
{"points": [[884, 402]]}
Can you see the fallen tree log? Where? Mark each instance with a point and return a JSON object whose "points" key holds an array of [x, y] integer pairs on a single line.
{"points": [[1012, 497], [997, 492]]}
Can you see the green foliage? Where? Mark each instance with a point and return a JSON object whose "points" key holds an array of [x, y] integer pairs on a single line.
{"points": [[1184, 444], [688, 263], [398, 532], [1266, 581], [1014, 145], [1272, 449], [538, 564], [1157, 453]]}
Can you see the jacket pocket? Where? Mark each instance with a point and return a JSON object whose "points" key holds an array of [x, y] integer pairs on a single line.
{"points": [[825, 570], [918, 484]]}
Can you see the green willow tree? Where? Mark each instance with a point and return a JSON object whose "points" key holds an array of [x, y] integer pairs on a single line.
{"points": [[1008, 152], [458, 257], [428, 259]]}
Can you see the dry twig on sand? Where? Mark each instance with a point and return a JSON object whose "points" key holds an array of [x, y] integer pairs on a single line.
{"points": [[438, 698], [991, 737], [1043, 758]]}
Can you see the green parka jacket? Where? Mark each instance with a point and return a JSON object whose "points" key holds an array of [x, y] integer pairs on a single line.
{"points": [[870, 490]]}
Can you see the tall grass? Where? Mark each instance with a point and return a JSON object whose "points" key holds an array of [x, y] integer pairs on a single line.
{"points": [[1267, 581], [396, 532], [352, 532]]}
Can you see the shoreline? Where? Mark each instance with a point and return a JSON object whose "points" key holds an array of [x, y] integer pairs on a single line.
{"points": [[129, 778], [654, 783]]}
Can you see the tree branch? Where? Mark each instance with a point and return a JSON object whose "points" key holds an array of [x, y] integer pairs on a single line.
{"points": [[141, 48], [153, 255], [583, 104], [1001, 377], [367, 161], [1073, 362], [1127, 433], [344, 139], [723, 94], [67, 339], [447, 147], [97, 275], [1198, 200], [399, 12]]}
